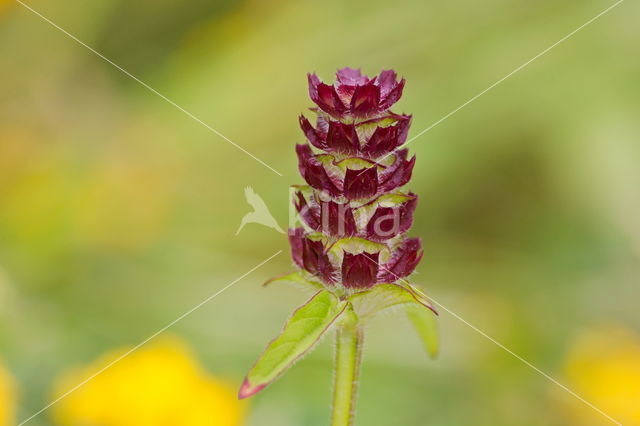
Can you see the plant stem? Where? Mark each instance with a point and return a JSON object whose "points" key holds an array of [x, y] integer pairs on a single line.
{"points": [[349, 341]]}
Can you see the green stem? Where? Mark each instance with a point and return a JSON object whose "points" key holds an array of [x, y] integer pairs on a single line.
{"points": [[347, 370]]}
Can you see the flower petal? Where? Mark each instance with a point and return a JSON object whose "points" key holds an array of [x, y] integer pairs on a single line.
{"points": [[365, 99], [324, 96], [351, 76], [361, 183], [313, 258], [403, 261], [336, 219], [342, 138], [311, 252], [387, 81], [383, 141], [295, 241], [403, 128], [399, 173], [309, 213], [359, 270], [388, 222], [312, 135], [393, 96], [314, 172]]}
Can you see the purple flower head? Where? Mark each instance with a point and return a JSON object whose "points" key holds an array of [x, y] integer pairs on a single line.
{"points": [[349, 242], [353, 210]]}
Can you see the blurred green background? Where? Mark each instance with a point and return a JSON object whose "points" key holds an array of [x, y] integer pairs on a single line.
{"points": [[118, 211]]}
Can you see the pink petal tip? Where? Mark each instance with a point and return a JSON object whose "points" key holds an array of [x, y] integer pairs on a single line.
{"points": [[246, 390]]}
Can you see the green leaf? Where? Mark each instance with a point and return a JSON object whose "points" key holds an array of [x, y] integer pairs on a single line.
{"points": [[382, 297], [413, 302], [301, 332], [424, 321], [298, 280]]}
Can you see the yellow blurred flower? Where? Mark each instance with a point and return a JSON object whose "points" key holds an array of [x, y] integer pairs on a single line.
{"points": [[604, 368], [160, 384], [7, 398]]}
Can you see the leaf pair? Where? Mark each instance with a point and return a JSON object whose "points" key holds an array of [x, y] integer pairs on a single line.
{"points": [[312, 320]]}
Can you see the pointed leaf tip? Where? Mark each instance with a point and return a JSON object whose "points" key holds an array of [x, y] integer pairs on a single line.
{"points": [[246, 390]]}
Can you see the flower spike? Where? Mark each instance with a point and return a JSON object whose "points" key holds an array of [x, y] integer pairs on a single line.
{"points": [[351, 249]]}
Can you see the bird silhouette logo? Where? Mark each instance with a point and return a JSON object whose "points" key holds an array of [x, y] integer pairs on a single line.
{"points": [[260, 213]]}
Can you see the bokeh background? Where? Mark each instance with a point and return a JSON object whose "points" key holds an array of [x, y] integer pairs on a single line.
{"points": [[118, 212]]}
